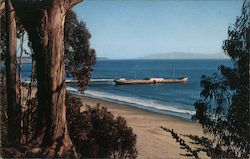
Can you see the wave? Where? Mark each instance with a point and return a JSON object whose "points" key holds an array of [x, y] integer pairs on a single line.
{"points": [[71, 89], [142, 103]]}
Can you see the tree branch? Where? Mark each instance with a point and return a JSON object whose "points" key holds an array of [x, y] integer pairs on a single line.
{"points": [[71, 3]]}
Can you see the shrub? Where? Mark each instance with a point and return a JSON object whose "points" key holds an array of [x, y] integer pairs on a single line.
{"points": [[97, 133]]}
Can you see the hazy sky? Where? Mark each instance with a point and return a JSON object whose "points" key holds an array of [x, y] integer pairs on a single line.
{"points": [[136, 28]]}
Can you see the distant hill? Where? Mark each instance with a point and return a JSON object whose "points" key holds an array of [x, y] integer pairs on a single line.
{"points": [[102, 58], [25, 59], [181, 55]]}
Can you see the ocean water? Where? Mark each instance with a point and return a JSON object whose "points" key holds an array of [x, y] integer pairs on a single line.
{"points": [[171, 99]]}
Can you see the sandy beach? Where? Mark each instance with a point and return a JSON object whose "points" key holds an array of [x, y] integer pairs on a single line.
{"points": [[152, 141]]}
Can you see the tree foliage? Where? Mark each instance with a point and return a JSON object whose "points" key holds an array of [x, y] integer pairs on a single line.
{"points": [[78, 55], [223, 109], [97, 133], [3, 109], [182, 143], [2, 36]]}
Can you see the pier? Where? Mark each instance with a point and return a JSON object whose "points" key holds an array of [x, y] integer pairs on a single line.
{"points": [[102, 82], [97, 81], [123, 81]]}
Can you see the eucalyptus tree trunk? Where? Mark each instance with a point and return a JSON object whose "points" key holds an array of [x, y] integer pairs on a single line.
{"points": [[44, 22], [14, 107], [2, 7]]}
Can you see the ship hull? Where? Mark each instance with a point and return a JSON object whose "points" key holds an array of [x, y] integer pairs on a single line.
{"points": [[148, 81]]}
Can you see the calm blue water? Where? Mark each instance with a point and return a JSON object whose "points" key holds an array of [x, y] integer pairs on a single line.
{"points": [[173, 99]]}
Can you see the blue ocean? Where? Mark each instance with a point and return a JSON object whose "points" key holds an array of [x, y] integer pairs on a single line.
{"points": [[172, 99]]}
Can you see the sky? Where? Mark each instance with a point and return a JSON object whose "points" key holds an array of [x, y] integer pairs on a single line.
{"points": [[127, 29]]}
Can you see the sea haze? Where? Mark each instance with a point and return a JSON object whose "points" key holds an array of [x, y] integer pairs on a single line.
{"points": [[183, 55]]}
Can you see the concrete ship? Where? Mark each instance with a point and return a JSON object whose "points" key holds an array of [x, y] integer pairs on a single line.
{"points": [[123, 81]]}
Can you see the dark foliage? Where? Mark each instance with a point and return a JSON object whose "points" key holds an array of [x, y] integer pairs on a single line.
{"points": [[183, 145], [3, 109], [3, 37], [79, 56], [29, 120], [97, 133], [212, 149], [223, 109]]}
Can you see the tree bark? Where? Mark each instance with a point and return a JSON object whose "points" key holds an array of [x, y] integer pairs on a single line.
{"points": [[46, 32], [2, 7], [14, 107]]}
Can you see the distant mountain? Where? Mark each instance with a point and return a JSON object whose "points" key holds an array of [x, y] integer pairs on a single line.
{"points": [[181, 55], [102, 58], [25, 59]]}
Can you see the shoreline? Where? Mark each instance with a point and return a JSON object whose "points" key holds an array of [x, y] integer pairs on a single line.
{"points": [[124, 105], [152, 141], [180, 115]]}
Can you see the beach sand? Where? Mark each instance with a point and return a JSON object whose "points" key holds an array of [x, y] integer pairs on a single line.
{"points": [[152, 141]]}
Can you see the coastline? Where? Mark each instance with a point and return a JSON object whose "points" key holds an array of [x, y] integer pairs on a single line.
{"points": [[90, 100], [152, 141], [168, 110]]}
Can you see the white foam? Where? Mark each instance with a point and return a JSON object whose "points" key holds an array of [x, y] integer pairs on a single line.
{"points": [[140, 102], [68, 88]]}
